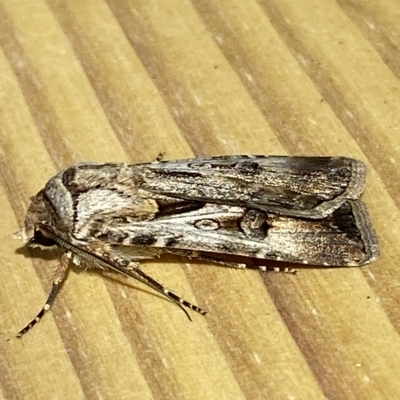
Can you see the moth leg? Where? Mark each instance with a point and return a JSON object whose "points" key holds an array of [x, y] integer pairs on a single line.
{"points": [[160, 156], [236, 265], [58, 278], [285, 270], [204, 257]]}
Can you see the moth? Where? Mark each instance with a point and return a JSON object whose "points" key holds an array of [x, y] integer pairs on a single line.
{"points": [[114, 216]]}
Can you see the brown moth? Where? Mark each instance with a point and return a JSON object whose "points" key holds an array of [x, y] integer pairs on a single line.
{"points": [[113, 216]]}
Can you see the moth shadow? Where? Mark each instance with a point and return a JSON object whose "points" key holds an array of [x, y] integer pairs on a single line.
{"points": [[43, 254]]}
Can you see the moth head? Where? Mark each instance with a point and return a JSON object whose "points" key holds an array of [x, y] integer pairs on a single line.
{"points": [[39, 214]]}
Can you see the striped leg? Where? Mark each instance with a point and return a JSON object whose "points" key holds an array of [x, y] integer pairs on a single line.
{"points": [[232, 264], [285, 270], [58, 278]]}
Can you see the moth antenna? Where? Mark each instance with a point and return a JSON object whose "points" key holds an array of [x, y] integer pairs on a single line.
{"points": [[170, 295], [133, 272], [180, 301]]}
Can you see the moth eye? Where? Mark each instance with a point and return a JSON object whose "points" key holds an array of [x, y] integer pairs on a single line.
{"points": [[43, 240]]}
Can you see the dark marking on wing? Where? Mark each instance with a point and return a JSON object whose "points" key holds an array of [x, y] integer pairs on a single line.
{"points": [[144, 240]]}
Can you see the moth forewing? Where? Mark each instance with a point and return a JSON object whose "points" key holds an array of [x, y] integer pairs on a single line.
{"points": [[114, 216], [311, 187], [344, 238]]}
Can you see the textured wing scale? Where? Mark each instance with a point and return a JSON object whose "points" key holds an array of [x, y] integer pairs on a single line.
{"points": [[344, 238], [297, 186]]}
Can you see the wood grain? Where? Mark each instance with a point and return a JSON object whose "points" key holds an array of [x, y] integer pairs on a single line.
{"points": [[122, 80]]}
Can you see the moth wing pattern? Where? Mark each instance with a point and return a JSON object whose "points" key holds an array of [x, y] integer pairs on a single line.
{"points": [[113, 216], [310, 187], [132, 206], [344, 238]]}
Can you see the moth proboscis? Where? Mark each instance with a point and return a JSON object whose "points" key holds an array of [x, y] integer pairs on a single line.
{"points": [[113, 216]]}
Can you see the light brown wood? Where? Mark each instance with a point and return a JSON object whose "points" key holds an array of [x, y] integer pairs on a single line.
{"points": [[122, 80]]}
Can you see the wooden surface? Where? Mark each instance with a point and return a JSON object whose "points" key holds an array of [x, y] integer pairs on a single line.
{"points": [[122, 80]]}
